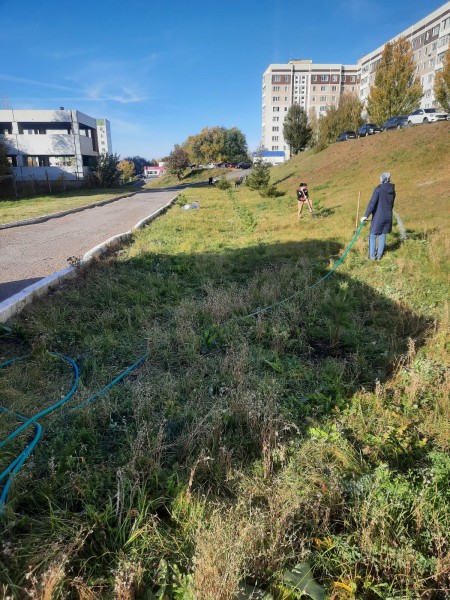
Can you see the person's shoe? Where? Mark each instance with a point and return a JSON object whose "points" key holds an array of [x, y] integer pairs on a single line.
{"points": [[378, 258], [372, 258]]}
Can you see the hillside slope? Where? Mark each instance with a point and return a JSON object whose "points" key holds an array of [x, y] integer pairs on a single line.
{"points": [[245, 450], [418, 159]]}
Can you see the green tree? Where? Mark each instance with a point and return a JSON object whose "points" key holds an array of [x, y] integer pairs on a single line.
{"points": [[296, 130], [140, 162], [314, 124], [5, 167], [397, 90], [339, 118], [126, 167], [236, 149], [442, 84], [106, 169], [177, 161], [217, 144], [260, 176], [207, 146]]}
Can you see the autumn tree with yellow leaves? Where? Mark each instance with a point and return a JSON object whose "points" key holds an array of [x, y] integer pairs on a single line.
{"points": [[397, 89]]}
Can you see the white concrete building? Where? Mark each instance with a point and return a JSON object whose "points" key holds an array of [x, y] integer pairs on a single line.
{"points": [[313, 87], [104, 136], [429, 40], [48, 144], [316, 87]]}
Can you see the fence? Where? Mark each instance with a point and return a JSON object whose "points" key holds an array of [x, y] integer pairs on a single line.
{"points": [[14, 189]]}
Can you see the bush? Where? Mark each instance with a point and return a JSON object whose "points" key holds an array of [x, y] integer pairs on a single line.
{"points": [[223, 183], [270, 192]]}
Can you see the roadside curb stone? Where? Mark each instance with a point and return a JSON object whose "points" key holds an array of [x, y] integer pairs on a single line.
{"points": [[16, 303]]}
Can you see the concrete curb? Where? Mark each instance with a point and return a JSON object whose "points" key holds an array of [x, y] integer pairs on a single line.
{"points": [[15, 304], [62, 213]]}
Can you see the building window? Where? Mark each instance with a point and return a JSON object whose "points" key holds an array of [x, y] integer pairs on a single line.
{"points": [[334, 78], [313, 99], [286, 88], [274, 147], [62, 161], [277, 78], [334, 88], [352, 78], [12, 160], [446, 23], [435, 30], [274, 138], [275, 128], [276, 109], [344, 78], [275, 118], [322, 108], [323, 98], [314, 78], [324, 77], [324, 88], [286, 78], [276, 99], [286, 98], [276, 88], [36, 161]]}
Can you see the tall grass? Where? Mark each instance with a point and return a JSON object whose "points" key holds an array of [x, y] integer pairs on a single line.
{"points": [[314, 432]]}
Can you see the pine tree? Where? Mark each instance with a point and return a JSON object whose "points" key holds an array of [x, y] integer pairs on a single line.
{"points": [[442, 84], [397, 90], [260, 176], [296, 130]]}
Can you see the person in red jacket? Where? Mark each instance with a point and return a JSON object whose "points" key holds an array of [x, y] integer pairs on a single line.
{"points": [[302, 197]]}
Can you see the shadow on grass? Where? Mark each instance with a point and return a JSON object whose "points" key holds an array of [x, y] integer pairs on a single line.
{"points": [[216, 381]]}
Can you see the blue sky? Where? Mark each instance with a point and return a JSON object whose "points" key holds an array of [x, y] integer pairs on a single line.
{"points": [[162, 71]]}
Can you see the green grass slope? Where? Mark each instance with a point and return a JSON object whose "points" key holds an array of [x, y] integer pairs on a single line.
{"points": [[303, 450]]}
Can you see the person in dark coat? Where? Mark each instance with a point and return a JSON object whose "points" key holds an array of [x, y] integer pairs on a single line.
{"points": [[380, 207]]}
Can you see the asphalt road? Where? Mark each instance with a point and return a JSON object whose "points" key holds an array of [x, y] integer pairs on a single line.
{"points": [[30, 252]]}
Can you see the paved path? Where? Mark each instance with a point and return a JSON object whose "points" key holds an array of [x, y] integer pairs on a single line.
{"points": [[31, 252]]}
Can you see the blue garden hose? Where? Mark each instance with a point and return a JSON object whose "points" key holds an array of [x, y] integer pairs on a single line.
{"points": [[18, 462], [335, 266]]}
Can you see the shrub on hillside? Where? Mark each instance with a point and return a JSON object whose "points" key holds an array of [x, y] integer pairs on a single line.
{"points": [[270, 192], [223, 183]]}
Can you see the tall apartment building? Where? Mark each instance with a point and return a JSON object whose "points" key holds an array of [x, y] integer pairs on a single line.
{"points": [[45, 144], [429, 40], [316, 87], [313, 87]]}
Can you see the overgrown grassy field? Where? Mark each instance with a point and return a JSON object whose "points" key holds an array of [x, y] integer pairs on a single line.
{"points": [[301, 452], [29, 208]]}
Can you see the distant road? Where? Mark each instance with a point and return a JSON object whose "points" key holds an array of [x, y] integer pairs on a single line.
{"points": [[31, 252]]}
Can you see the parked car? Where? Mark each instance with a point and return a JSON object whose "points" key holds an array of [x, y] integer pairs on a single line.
{"points": [[426, 115], [244, 165], [369, 129], [397, 122], [346, 135]]}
